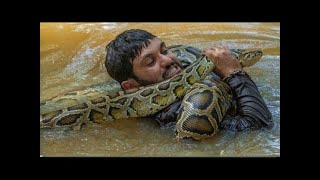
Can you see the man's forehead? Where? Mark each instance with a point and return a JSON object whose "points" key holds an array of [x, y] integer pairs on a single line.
{"points": [[155, 44]]}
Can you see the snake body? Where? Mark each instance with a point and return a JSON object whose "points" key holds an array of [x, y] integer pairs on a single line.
{"points": [[205, 101]]}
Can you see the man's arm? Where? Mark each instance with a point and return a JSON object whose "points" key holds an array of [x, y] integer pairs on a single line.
{"points": [[252, 111]]}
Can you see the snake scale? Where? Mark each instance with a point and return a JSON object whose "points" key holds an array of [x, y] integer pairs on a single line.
{"points": [[205, 101]]}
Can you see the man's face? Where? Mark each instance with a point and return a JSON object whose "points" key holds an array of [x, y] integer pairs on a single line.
{"points": [[155, 64]]}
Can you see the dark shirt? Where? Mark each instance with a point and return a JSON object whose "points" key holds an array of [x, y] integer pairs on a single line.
{"points": [[251, 113]]}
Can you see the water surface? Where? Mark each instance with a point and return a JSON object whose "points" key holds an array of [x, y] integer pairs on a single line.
{"points": [[72, 57]]}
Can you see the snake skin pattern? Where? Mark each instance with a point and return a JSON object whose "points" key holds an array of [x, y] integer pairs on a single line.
{"points": [[205, 100]]}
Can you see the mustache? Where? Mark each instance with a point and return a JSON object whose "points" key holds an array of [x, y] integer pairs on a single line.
{"points": [[176, 61]]}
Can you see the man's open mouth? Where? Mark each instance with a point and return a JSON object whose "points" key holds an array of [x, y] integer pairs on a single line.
{"points": [[175, 69]]}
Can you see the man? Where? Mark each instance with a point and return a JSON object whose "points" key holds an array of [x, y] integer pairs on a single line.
{"points": [[138, 58]]}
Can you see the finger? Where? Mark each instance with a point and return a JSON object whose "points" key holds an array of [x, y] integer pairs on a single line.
{"points": [[220, 46], [203, 51], [210, 48], [207, 50]]}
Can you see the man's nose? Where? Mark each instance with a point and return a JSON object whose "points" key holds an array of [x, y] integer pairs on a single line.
{"points": [[165, 60]]}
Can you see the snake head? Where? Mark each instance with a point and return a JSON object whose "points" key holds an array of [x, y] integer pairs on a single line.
{"points": [[249, 58]]}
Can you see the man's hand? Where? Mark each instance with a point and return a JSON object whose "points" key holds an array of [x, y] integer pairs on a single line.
{"points": [[225, 62]]}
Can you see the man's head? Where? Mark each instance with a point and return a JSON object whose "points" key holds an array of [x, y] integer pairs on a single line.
{"points": [[138, 58]]}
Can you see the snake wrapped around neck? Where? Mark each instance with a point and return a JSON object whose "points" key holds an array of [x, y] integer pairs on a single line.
{"points": [[203, 105]]}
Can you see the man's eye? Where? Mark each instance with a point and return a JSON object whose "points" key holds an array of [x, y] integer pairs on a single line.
{"points": [[165, 51], [150, 62]]}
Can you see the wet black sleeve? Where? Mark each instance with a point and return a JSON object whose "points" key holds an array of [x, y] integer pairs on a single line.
{"points": [[252, 111], [169, 114]]}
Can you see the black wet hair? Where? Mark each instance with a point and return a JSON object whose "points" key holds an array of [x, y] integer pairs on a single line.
{"points": [[123, 50]]}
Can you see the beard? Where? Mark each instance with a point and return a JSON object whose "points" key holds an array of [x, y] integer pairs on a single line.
{"points": [[143, 82]]}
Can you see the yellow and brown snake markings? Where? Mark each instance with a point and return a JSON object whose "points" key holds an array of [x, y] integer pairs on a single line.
{"points": [[204, 101]]}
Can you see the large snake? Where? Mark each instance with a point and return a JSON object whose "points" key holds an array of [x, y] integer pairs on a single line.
{"points": [[204, 104]]}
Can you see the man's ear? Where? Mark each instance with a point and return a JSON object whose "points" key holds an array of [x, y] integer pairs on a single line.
{"points": [[129, 84]]}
